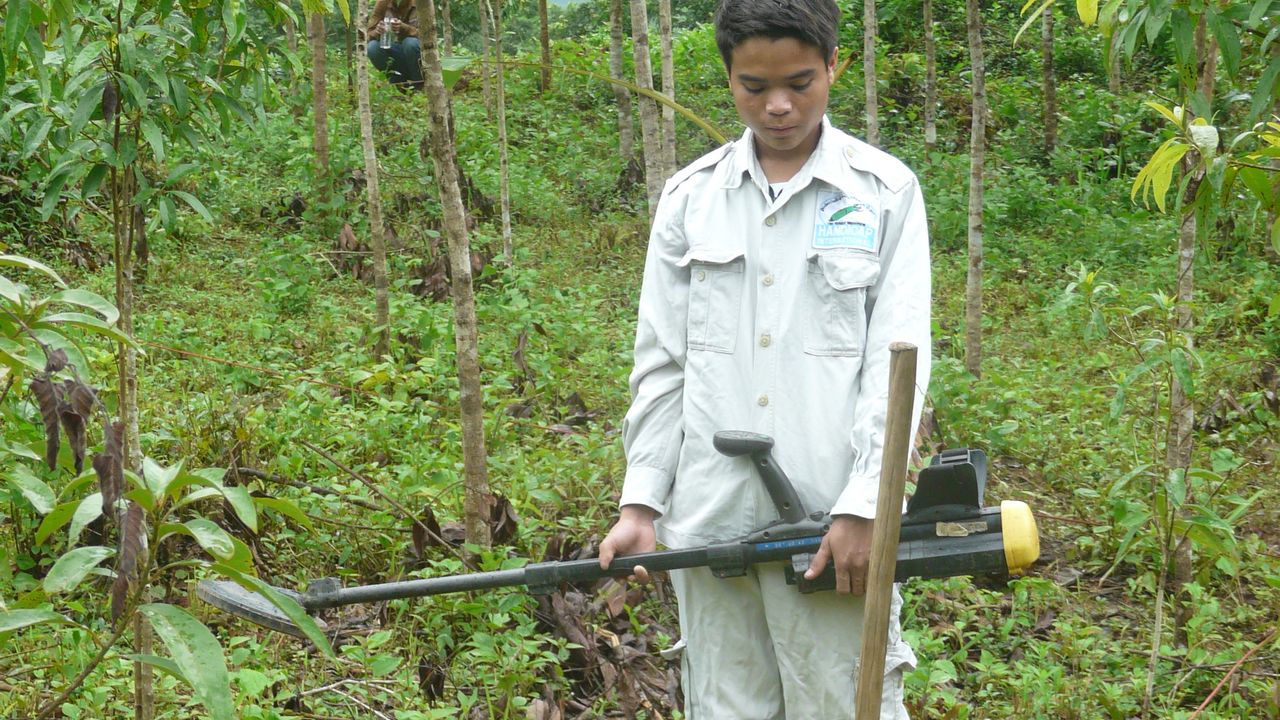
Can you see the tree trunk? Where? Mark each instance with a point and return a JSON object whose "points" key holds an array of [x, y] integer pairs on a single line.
{"points": [[446, 24], [930, 81], [1113, 64], [319, 98], [378, 239], [668, 89], [650, 133], [977, 153], [626, 130], [291, 39], [544, 40], [485, 55], [869, 71], [504, 168], [1178, 445], [349, 45], [443, 156], [1049, 82]]}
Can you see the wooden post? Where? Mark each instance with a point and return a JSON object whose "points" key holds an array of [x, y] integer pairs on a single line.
{"points": [[884, 537]]}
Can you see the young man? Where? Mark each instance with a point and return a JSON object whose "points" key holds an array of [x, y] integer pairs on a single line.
{"points": [[393, 45], [780, 267]]}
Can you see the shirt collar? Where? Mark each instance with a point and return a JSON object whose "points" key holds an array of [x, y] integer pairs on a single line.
{"points": [[827, 162]]}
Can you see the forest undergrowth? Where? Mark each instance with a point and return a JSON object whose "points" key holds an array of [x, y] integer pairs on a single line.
{"points": [[258, 331]]}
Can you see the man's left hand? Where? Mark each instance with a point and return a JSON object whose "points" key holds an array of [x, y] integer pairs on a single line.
{"points": [[848, 545]]}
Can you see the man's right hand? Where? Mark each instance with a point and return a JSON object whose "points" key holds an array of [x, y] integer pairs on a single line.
{"points": [[633, 533]]}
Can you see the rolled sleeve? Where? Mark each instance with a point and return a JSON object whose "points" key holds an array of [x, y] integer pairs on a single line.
{"points": [[653, 429], [898, 309]]}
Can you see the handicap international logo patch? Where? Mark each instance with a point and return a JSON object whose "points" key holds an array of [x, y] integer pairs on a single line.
{"points": [[843, 222]]}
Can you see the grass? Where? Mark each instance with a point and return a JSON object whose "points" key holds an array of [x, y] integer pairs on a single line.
{"points": [[258, 288]]}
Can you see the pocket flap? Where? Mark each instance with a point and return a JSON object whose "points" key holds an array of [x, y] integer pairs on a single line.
{"points": [[714, 256], [844, 272]]}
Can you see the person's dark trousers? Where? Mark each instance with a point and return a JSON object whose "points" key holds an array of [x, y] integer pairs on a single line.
{"points": [[399, 61]]}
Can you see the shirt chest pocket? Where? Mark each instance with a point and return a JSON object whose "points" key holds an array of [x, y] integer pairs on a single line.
{"points": [[715, 298], [836, 317]]}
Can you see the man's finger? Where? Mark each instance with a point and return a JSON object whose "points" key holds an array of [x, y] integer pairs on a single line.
{"points": [[843, 582], [606, 556], [640, 574], [818, 563]]}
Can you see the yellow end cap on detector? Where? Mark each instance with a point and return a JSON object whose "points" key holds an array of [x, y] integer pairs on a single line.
{"points": [[1021, 538]]}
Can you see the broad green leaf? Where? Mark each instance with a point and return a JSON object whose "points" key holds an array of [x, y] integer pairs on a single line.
{"points": [[195, 204], [87, 56], [87, 299], [154, 138], [35, 135], [20, 357], [87, 511], [165, 665], [18, 619], [157, 476], [16, 22], [1182, 370], [1088, 11], [73, 566], [1228, 41], [84, 109], [286, 604], [211, 537], [32, 488], [52, 194], [55, 520], [29, 264], [167, 213], [93, 180], [1169, 114], [87, 323], [197, 655], [286, 508], [242, 503], [12, 291]]}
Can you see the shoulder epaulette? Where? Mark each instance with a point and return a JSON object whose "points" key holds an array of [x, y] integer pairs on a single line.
{"points": [[888, 169], [706, 161]]}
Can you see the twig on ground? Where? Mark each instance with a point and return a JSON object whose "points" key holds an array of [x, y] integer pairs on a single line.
{"points": [[260, 475], [404, 511], [1270, 636]]}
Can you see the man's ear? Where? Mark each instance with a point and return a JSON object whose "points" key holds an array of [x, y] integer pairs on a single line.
{"points": [[831, 64]]}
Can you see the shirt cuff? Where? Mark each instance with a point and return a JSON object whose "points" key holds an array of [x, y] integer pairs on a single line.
{"points": [[646, 486], [858, 498]]}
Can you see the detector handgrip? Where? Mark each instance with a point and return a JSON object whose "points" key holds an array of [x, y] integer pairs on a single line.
{"points": [[735, 443]]}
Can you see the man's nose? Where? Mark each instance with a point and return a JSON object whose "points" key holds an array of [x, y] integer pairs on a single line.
{"points": [[778, 103]]}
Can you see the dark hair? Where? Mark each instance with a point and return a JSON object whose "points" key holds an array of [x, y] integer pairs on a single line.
{"points": [[813, 22]]}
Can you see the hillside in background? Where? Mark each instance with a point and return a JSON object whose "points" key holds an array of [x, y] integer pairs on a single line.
{"points": [[282, 445]]}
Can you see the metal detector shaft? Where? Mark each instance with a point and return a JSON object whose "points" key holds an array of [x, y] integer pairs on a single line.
{"points": [[921, 554]]}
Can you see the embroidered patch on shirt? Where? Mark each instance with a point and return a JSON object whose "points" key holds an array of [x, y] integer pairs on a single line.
{"points": [[844, 222]]}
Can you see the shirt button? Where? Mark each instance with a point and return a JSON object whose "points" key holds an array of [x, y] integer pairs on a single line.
{"points": [[762, 400], [702, 275], [771, 220], [768, 280], [765, 340]]}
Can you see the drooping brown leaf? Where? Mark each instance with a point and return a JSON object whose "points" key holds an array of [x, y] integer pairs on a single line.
{"points": [[81, 397], [48, 397], [132, 557], [426, 533], [526, 377], [73, 424], [504, 524], [55, 360], [110, 101], [109, 465], [431, 677]]}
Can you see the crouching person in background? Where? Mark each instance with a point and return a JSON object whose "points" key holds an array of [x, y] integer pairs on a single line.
{"points": [[393, 42]]}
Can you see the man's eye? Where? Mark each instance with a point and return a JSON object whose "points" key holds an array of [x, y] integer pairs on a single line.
{"points": [[753, 90], [802, 88]]}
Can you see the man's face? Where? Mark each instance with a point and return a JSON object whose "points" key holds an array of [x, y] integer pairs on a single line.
{"points": [[780, 87]]}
